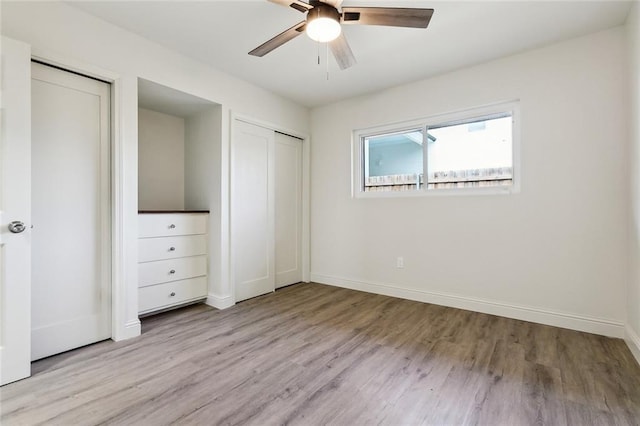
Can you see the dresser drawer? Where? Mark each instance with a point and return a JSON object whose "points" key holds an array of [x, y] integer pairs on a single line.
{"points": [[150, 249], [170, 224], [161, 296], [150, 273]]}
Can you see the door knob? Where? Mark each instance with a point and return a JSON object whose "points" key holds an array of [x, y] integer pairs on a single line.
{"points": [[17, 227]]}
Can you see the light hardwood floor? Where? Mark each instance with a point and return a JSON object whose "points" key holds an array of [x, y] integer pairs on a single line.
{"points": [[313, 354]]}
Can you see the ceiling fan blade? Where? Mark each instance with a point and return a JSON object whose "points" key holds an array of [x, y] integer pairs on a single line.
{"points": [[342, 52], [298, 5], [388, 16], [279, 40]]}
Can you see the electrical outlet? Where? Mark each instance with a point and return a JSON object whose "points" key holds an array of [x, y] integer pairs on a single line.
{"points": [[400, 262]]}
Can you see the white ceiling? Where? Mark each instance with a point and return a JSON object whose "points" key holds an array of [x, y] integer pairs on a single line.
{"points": [[220, 33]]}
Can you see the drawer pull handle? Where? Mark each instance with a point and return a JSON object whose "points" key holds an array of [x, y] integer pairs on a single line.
{"points": [[172, 226], [173, 271], [173, 293], [172, 249]]}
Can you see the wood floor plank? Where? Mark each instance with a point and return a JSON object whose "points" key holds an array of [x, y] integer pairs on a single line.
{"points": [[499, 396], [541, 394], [456, 396], [313, 354]]}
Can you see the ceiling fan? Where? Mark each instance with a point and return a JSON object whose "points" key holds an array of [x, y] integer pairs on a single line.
{"points": [[324, 19]]}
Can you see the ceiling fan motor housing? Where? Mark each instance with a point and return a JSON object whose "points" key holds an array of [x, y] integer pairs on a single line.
{"points": [[323, 23], [322, 10]]}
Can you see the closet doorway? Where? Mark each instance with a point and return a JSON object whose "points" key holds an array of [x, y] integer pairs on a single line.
{"points": [[266, 210], [71, 211]]}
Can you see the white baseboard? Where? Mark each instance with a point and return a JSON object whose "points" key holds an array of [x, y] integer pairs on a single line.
{"points": [[219, 302], [600, 326], [130, 330], [633, 341]]}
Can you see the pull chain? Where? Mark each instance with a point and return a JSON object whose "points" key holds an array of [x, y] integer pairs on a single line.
{"points": [[327, 60], [318, 42]]}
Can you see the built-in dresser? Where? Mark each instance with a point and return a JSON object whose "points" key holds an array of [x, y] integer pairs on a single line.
{"points": [[172, 259]]}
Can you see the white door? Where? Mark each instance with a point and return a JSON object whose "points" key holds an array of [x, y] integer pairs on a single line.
{"points": [[252, 210], [70, 183], [15, 200], [288, 209]]}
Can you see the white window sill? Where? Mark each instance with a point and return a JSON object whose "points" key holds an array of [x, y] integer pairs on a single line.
{"points": [[506, 190]]}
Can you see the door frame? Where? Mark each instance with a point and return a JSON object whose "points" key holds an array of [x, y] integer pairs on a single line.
{"points": [[124, 191], [306, 199]]}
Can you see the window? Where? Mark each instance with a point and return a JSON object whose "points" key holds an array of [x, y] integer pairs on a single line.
{"points": [[393, 161], [472, 149]]}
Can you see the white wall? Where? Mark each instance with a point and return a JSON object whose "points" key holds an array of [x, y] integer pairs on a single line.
{"points": [[633, 296], [203, 191], [71, 38], [202, 148], [160, 161], [554, 253]]}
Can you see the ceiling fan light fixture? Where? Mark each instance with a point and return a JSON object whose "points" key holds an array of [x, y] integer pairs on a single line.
{"points": [[323, 23], [323, 29]]}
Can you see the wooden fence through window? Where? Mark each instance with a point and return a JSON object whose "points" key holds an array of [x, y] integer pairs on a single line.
{"points": [[470, 178]]}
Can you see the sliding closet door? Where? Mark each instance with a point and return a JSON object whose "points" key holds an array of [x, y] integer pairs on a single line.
{"points": [[252, 210], [71, 248], [288, 209]]}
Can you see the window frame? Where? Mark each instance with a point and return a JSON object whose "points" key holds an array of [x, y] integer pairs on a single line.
{"points": [[435, 121]]}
